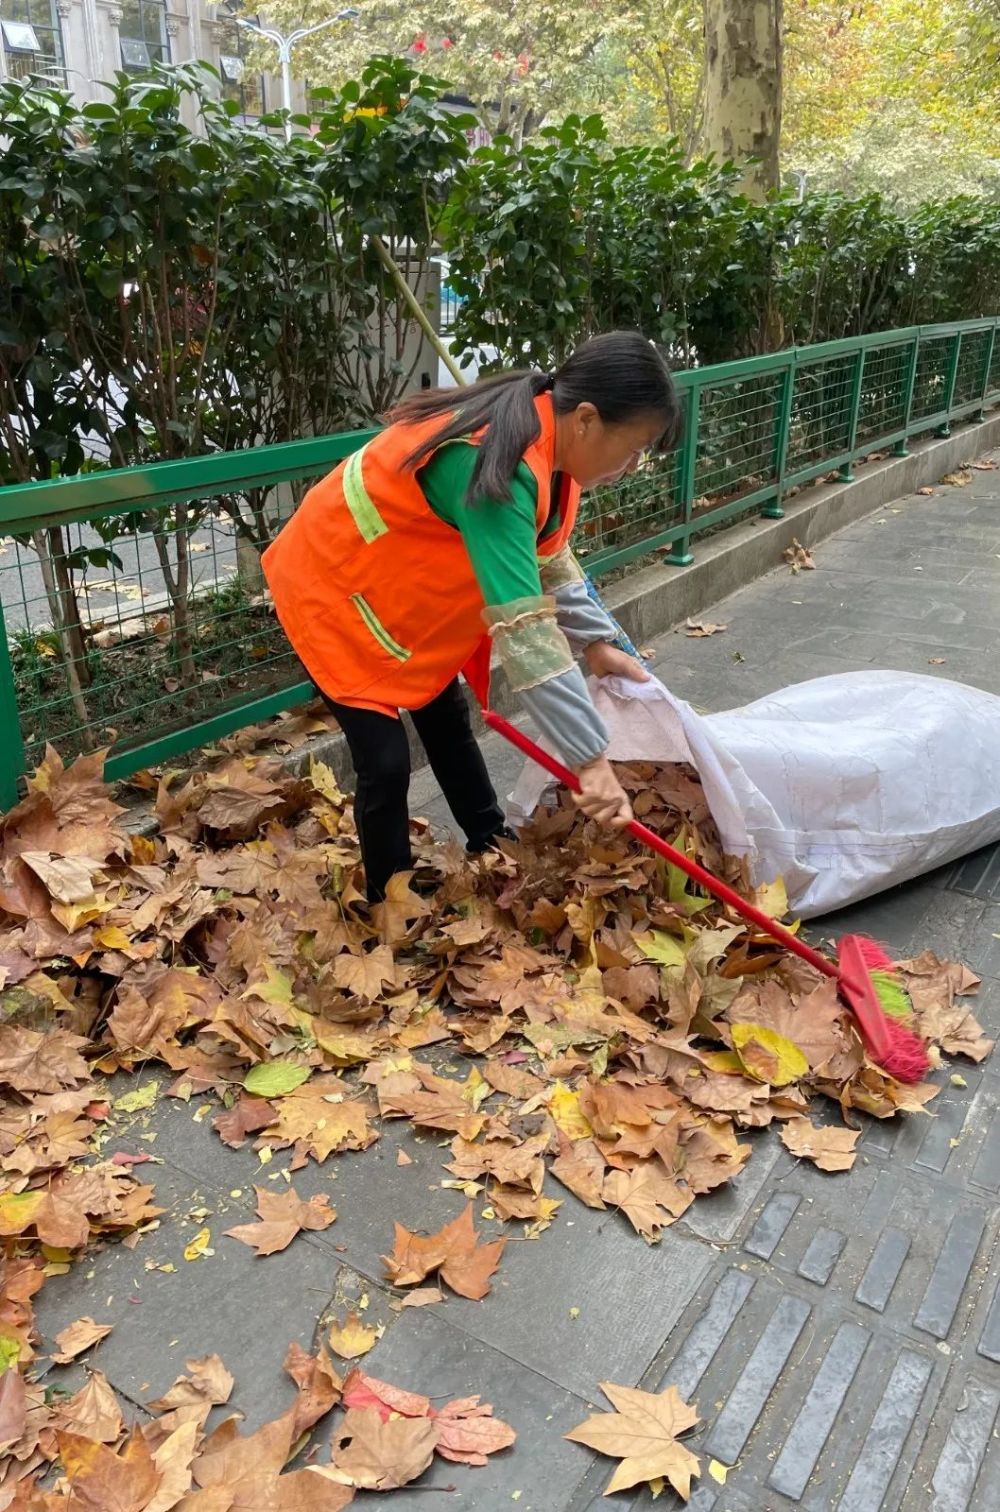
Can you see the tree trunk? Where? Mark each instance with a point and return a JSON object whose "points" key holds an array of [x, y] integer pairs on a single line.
{"points": [[65, 614], [177, 579], [743, 44]]}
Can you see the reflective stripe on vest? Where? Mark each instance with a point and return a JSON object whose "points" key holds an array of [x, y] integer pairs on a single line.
{"points": [[359, 501], [377, 628]]}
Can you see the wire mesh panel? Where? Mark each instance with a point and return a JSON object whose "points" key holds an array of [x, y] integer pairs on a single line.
{"points": [[144, 625], [972, 356], [821, 411], [737, 436], [930, 387], [637, 507], [993, 385], [882, 405]]}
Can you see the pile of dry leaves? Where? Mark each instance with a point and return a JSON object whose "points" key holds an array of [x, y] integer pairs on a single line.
{"points": [[626, 1030]]}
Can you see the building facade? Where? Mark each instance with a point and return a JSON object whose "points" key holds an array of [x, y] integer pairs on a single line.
{"points": [[79, 43]]}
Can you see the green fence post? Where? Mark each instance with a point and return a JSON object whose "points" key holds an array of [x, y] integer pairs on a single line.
{"points": [[901, 449], [680, 552], [847, 471], [949, 386], [774, 510], [985, 385], [12, 763]]}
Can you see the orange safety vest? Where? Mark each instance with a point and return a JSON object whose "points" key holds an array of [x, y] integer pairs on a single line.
{"points": [[375, 592]]}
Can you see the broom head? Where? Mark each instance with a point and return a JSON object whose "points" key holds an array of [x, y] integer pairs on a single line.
{"points": [[891, 1043]]}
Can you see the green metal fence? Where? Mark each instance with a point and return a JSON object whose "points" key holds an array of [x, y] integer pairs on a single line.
{"points": [[134, 614]]}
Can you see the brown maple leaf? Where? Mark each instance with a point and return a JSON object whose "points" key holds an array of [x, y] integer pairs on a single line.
{"points": [[33, 1062], [45, 1143], [642, 1432], [580, 1166], [13, 1410], [249, 1115], [282, 1215], [92, 1413], [125, 1479], [227, 1456], [512, 1080], [401, 908], [454, 1252], [650, 1199], [830, 1149], [698, 629], [467, 1431], [438, 1105], [317, 1122], [508, 1160], [815, 1023], [207, 1382], [77, 1338], [380, 1456], [709, 1154], [319, 1386], [367, 974]]}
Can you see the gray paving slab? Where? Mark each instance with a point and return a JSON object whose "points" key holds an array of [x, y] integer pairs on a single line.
{"points": [[610, 1285], [231, 1303], [539, 1472]]}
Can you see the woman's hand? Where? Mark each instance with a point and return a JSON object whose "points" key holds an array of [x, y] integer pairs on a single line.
{"points": [[601, 795], [605, 660]]}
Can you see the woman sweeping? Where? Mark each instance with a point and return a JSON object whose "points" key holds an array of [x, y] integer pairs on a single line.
{"points": [[449, 532]]}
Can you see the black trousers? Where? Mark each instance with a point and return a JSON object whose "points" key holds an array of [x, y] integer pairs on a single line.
{"points": [[381, 756]]}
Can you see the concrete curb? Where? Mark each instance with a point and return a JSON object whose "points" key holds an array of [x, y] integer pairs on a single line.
{"points": [[656, 598]]}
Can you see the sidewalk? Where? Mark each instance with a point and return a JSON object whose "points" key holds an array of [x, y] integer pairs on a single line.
{"points": [[840, 1334]]}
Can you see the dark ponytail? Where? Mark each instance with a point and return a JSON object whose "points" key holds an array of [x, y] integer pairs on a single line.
{"points": [[621, 374]]}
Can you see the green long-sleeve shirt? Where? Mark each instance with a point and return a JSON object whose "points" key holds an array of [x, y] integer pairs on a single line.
{"points": [[501, 539], [502, 542]]}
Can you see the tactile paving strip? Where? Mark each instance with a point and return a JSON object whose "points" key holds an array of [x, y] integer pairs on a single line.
{"points": [[978, 875], [845, 1352]]}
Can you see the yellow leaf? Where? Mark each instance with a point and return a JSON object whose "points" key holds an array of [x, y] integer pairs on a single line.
{"points": [[564, 1106], [475, 1089], [323, 780], [343, 1044], [726, 1061], [718, 1472], [275, 988], [143, 850], [771, 898], [111, 937], [662, 947], [199, 1245], [73, 916], [135, 1102], [352, 1338], [768, 1056], [470, 1188]]}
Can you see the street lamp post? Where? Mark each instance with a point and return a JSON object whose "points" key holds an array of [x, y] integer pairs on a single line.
{"points": [[284, 43]]}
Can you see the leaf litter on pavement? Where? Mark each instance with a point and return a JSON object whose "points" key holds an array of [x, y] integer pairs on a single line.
{"points": [[621, 1033]]}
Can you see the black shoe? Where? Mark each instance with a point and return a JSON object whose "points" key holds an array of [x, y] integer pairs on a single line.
{"points": [[477, 847]]}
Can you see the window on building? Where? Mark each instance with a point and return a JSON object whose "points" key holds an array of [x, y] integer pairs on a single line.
{"points": [[239, 83], [142, 33], [32, 40]]}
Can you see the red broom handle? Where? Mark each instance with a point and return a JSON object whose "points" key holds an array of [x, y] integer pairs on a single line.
{"points": [[677, 858]]}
